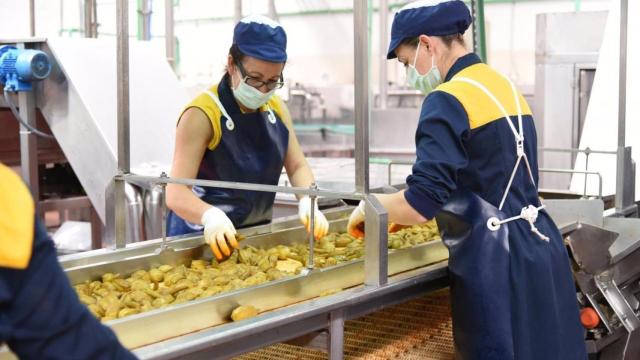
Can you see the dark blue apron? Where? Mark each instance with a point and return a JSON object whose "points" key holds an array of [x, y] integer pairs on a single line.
{"points": [[512, 292], [41, 316], [252, 149]]}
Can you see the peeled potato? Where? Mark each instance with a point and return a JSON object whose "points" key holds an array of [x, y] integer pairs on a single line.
{"points": [[145, 289], [289, 265], [243, 312]]}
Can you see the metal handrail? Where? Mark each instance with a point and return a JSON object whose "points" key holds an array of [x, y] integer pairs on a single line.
{"points": [[573, 150], [587, 151], [379, 218], [586, 173], [154, 180], [390, 163]]}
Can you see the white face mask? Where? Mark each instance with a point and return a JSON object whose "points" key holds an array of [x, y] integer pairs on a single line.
{"points": [[250, 97], [427, 82]]}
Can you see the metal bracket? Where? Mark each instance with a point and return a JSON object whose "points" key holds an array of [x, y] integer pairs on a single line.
{"points": [[312, 227], [375, 246], [616, 300]]}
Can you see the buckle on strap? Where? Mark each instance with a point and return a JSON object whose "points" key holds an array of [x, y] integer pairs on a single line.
{"points": [[520, 146]]}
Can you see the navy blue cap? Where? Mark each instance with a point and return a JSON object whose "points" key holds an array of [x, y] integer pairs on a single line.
{"points": [[428, 17], [262, 38]]}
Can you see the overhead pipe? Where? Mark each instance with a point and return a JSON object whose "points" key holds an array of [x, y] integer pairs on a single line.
{"points": [[384, 34], [237, 11]]}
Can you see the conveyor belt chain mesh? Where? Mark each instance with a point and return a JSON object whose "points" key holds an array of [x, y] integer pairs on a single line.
{"points": [[418, 329]]}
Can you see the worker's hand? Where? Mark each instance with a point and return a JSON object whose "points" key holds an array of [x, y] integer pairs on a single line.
{"points": [[219, 232], [355, 227], [393, 227], [321, 225]]}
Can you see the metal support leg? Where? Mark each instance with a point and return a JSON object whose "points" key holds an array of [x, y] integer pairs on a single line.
{"points": [[122, 112], [335, 343], [361, 74], [237, 11], [169, 33], [145, 18], [90, 19], [120, 206], [29, 143], [622, 107], [384, 42], [96, 229], [32, 18]]}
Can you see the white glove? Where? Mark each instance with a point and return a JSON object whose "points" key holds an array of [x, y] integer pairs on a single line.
{"points": [[320, 226], [219, 232], [355, 227]]}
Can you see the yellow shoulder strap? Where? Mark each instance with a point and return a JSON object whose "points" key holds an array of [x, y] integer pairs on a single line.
{"points": [[205, 103], [17, 216], [479, 108]]}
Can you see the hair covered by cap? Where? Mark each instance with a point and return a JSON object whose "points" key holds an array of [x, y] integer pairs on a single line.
{"points": [[428, 17], [261, 37]]}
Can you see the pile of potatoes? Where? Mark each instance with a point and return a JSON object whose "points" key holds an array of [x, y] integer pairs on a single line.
{"points": [[115, 297]]}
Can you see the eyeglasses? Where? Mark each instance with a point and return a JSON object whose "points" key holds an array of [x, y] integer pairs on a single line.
{"points": [[257, 83]]}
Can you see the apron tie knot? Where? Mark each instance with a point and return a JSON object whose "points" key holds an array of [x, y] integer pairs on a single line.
{"points": [[530, 214]]}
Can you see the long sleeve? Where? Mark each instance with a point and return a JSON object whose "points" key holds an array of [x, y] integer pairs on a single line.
{"points": [[440, 153]]}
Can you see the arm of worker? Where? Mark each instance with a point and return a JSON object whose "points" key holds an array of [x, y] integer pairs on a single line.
{"points": [[300, 175], [440, 154], [193, 134], [40, 314]]}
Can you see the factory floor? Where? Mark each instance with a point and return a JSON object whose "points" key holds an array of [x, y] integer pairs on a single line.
{"points": [[417, 329]]}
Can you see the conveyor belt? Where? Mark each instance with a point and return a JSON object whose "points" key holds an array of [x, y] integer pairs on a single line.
{"points": [[417, 329]]}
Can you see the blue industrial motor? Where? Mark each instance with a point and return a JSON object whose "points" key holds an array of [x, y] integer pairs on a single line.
{"points": [[18, 68]]}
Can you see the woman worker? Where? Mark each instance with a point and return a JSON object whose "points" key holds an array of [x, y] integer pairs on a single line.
{"points": [[40, 314], [513, 296], [239, 131]]}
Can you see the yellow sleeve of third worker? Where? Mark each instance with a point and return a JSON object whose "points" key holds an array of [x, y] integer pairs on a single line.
{"points": [[204, 103], [17, 217]]}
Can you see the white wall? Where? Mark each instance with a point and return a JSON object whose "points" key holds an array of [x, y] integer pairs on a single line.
{"points": [[320, 46]]}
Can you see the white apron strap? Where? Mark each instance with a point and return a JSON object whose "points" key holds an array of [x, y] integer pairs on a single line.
{"points": [[229, 123], [530, 212]]}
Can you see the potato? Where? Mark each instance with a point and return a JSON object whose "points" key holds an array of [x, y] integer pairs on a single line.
{"points": [[156, 275], [109, 277], [96, 310], [243, 312], [87, 300], [141, 274], [115, 297], [289, 266], [198, 264], [140, 284], [121, 284]]}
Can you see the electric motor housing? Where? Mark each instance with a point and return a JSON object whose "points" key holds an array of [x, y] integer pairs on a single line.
{"points": [[20, 67]]}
